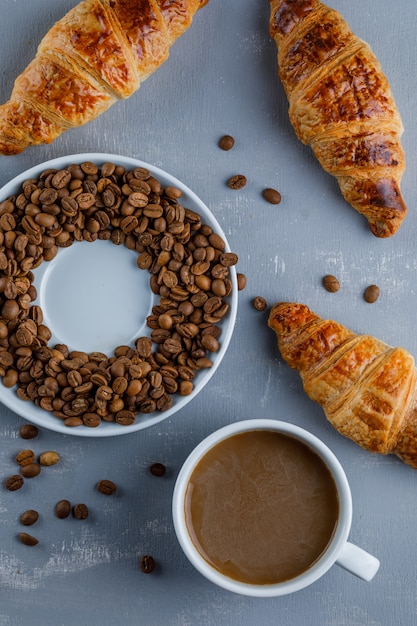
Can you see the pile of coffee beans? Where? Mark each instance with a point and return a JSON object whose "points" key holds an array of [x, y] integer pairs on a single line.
{"points": [[189, 271]]}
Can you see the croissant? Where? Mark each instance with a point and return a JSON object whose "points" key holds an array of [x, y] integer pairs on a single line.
{"points": [[98, 53], [366, 388], [341, 105]]}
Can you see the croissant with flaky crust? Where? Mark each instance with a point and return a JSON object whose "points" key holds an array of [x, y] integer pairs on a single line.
{"points": [[98, 53], [340, 104], [366, 388]]}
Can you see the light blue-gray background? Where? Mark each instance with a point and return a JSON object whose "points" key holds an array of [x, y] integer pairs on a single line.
{"points": [[221, 78]]}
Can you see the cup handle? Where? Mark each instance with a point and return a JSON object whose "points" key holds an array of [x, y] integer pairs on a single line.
{"points": [[358, 561]]}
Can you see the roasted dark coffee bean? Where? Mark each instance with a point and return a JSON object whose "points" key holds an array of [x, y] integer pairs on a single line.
{"points": [[241, 281], [260, 303], [61, 179], [13, 483], [72, 422], [228, 259], [28, 431], [80, 511], [31, 470], [157, 469], [29, 517], [331, 283], [48, 196], [237, 182], [226, 142], [25, 457], [186, 387], [271, 195], [63, 509], [147, 564], [125, 417], [89, 168], [106, 487], [371, 294], [210, 343], [28, 540]]}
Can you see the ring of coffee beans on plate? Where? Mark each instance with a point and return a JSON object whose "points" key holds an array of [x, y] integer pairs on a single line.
{"points": [[189, 271]]}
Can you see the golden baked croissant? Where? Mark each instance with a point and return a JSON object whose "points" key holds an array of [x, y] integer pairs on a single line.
{"points": [[99, 52], [366, 388], [340, 104]]}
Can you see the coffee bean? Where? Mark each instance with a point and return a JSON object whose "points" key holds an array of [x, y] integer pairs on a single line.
{"points": [[157, 469], [49, 458], [89, 168], [226, 142], [147, 564], [371, 294], [29, 517], [173, 192], [28, 431], [80, 511], [71, 422], [27, 540], [62, 509], [106, 487], [25, 457], [331, 283], [92, 420], [186, 388], [31, 470], [260, 303], [237, 182], [14, 482], [241, 281], [271, 195]]}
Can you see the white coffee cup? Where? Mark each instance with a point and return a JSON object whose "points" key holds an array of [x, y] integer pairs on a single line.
{"points": [[339, 551]]}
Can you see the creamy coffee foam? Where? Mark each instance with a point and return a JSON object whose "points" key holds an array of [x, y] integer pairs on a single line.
{"points": [[261, 507]]}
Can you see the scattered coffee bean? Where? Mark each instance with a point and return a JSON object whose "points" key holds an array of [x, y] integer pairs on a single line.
{"points": [[29, 517], [226, 142], [62, 509], [147, 564], [157, 469], [49, 458], [237, 182], [25, 457], [14, 482], [28, 431], [31, 470], [80, 511], [241, 281], [371, 294], [331, 283], [260, 303], [27, 539], [272, 195], [106, 487]]}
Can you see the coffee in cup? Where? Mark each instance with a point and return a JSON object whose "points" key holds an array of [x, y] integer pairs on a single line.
{"points": [[264, 508]]}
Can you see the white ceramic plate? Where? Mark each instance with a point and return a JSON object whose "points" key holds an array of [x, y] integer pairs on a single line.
{"points": [[94, 298]]}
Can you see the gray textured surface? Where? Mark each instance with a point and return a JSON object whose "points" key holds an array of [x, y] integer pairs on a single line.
{"points": [[221, 78]]}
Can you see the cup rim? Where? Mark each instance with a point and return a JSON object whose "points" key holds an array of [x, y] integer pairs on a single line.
{"points": [[336, 544]]}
